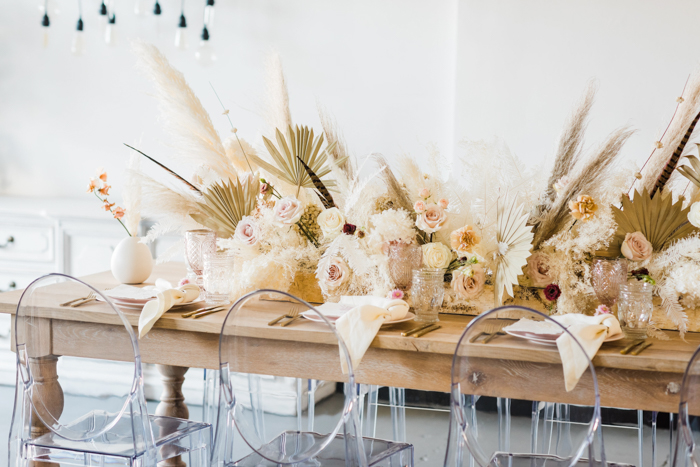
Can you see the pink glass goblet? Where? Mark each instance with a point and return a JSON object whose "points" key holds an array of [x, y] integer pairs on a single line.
{"points": [[607, 276]]}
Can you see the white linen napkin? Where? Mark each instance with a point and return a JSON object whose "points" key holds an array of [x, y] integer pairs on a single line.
{"points": [[590, 331], [166, 297], [360, 324]]}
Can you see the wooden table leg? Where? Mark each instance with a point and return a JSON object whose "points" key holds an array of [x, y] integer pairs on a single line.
{"points": [[172, 402], [49, 392]]}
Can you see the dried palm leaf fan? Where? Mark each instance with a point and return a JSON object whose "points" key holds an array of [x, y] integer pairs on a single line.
{"points": [[514, 239], [691, 171], [298, 149], [224, 204], [660, 220]]}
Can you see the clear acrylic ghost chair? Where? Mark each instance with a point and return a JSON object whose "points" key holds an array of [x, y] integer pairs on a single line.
{"points": [[484, 432], [250, 432], [687, 449], [50, 430]]}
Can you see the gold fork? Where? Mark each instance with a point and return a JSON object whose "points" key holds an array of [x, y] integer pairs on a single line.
{"points": [[90, 298], [290, 314], [293, 316], [80, 299]]}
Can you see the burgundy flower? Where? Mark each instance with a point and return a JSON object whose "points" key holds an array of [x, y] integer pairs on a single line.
{"points": [[349, 229], [640, 272], [552, 292]]}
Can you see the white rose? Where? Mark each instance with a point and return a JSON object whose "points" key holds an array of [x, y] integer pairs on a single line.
{"points": [[288, 211], [694, 214], [247, 231], [432, 219], [331, 222], [436, 255]]}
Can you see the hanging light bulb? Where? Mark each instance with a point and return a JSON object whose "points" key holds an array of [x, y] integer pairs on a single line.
{"points": [[45, 23], [78, 45], [156, 9], [103, 9], [181, 34], [205, 53], [111, 31], [209, 14]]}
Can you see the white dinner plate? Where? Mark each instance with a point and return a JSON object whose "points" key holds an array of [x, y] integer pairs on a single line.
{"points": [[139, 306], [311, 316], [551, 339]]}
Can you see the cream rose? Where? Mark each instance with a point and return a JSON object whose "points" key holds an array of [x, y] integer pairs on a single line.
{"points": [[247, 231], [332, 273], [636, 247], [538, 269], [436, 255], [331, 222], [432, 219], [468, 281], [694, 214], [288, 211]]}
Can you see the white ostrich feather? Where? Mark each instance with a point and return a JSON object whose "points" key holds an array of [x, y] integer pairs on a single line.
{"points": [[189, 125], [514, 239]]}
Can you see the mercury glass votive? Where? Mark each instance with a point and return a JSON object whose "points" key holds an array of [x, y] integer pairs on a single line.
{"points": [[404, 258], [634, 308], [197, 244], [218, 276], [607, 275], [427, 294]]}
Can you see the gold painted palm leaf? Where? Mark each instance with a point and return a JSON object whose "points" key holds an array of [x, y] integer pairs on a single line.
{"points": [[300, 143], [224, 204], [660, 220], [691, 171], [514, 239]]}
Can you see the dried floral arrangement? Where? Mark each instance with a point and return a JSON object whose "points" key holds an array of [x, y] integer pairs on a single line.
{"points": [[303, 214]]}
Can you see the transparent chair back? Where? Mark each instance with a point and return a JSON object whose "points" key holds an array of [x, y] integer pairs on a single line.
{"points": [[40, 406], [509, 405], [687, 452], [252, 419]]}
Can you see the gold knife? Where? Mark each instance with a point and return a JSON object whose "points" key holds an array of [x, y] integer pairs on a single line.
{"points": [[416, 329], [640, 348], [425, 331], [634, 344], [209, 312], [199, 310]]}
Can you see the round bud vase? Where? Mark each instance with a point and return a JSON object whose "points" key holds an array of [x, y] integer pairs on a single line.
{"points": [[132, 262]]}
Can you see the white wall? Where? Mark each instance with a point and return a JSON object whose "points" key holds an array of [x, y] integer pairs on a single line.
{"points": [[522, 65], [385, 69], [397, 74]]}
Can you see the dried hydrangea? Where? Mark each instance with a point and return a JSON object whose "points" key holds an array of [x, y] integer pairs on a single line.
{"points": [[392, 225]]}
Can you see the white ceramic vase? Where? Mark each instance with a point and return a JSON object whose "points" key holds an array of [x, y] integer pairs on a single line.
{"points": [[132, 262]]}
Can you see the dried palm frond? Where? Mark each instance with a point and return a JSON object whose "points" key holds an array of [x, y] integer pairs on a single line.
{"points": [[299, 146], [514, 239], [187, 122], [224, 204], [571, 140], [590, 177], [691, 171], [277, 114], [672, 139], [340, 150], [660, 220]]}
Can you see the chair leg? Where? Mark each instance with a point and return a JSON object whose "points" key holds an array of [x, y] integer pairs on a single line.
{"points": [[640, 435], [397, 401], [369, 425]]}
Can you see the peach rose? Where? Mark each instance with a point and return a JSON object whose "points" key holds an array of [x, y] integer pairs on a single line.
{"points": [[583, 208], [288, 211], [432, 219], [464, 240], [538, 269], [424, 193], [419, 207], [468, 281], [636, 247], [333, 273], [443, 203]]}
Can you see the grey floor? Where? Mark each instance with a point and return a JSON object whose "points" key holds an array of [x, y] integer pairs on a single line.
{"points": [[425, 429]]}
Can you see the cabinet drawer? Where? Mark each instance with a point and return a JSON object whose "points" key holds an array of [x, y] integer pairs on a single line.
{"points": [[22, 240]]}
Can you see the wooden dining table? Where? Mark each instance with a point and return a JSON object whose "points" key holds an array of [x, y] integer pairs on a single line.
{"points": [[516, 368]]}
